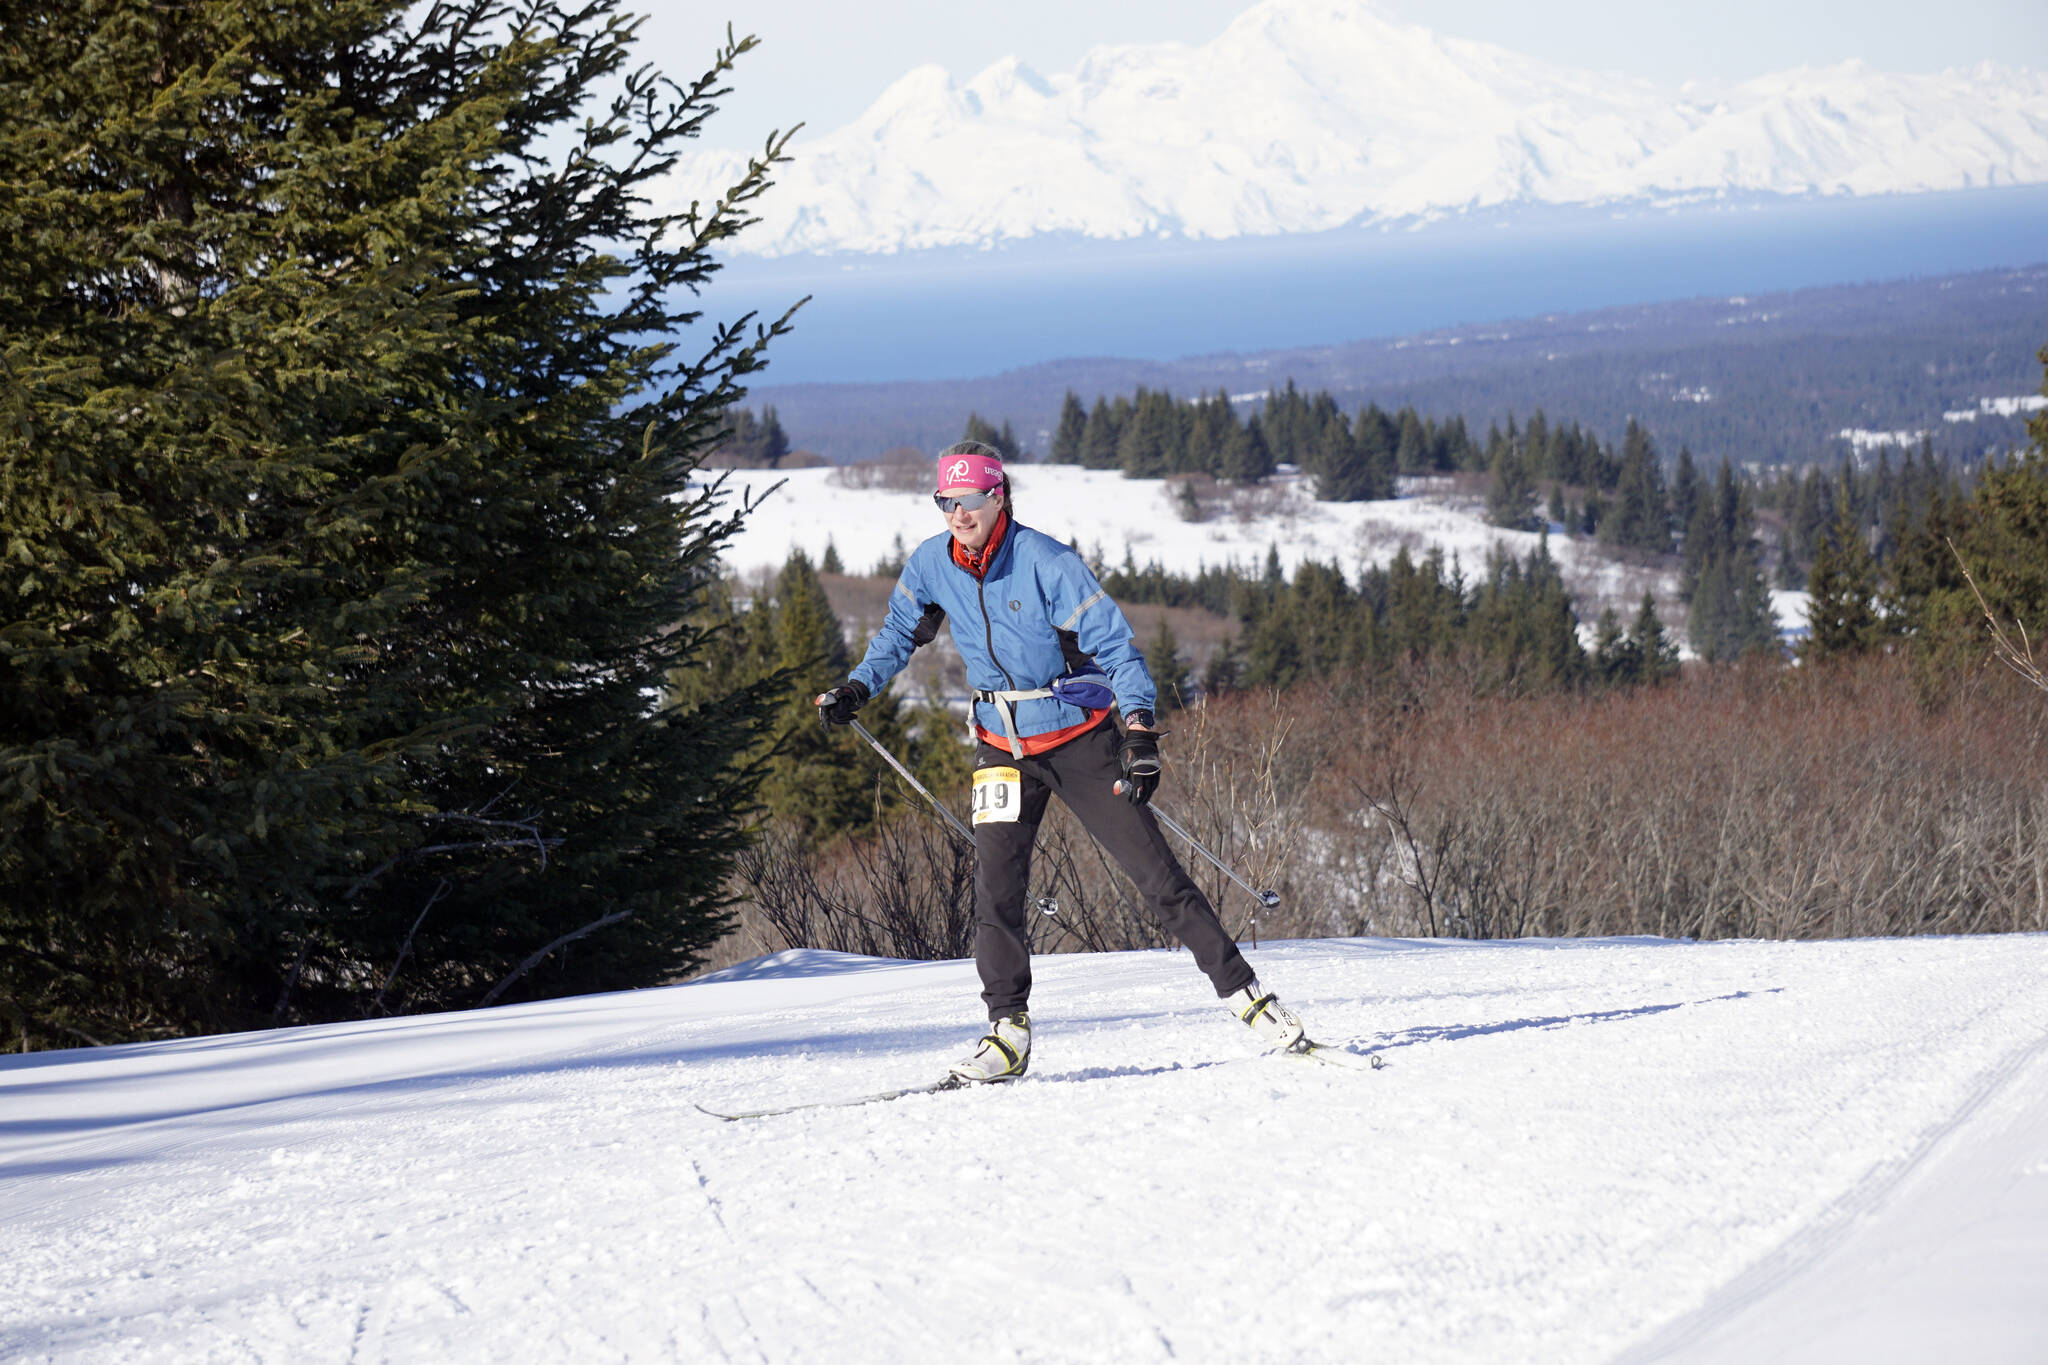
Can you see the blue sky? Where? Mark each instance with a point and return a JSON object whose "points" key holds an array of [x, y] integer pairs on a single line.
{"points": [[822, 63]]}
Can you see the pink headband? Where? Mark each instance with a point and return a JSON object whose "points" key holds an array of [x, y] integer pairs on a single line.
{"points": [[970, 471]]}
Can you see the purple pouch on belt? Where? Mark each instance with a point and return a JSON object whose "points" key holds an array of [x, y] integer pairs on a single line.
{"points": [[1087, 688]]}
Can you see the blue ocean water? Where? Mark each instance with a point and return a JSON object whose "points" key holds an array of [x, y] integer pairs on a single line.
{"points": [[959, 314]]}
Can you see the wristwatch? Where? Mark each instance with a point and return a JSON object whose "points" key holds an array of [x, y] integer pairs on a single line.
{"points": [[1140, 718]]}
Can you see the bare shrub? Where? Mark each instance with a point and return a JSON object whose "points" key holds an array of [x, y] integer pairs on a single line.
{"points": [[1760, 803], [889, 475], [908, 891], [1246, 503], [1757, 802]]}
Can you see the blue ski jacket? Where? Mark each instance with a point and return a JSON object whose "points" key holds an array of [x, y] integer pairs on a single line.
{"points": [[1008, 627]]}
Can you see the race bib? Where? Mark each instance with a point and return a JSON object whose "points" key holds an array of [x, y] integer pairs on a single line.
{"points": [[998, 793]]}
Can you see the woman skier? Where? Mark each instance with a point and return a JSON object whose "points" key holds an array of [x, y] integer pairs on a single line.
{"points": [[1047, 653]]}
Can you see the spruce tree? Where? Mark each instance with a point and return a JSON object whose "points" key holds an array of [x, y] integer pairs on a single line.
{"points": [[1510, 494], [1686, 489], [2002, 538], [1731, 609], [1209, 425], [1149, 445], [815, 776], [1284, 423], [1641, 517], [1376, 436], [1104, 430], [1723, 583], [1536, 447], [1521, 621], [1169, 671], [1066, 437], [348, 528], [1843, 587], [1225, 669], [1412, 446], [1656, 654], [1616, 661], [1244, 457], [754, 443], [1002, 439], [1592, 512], [891, 565], [936, 747], [1344, 470]]}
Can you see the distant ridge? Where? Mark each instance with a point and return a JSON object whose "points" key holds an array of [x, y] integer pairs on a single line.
{"points": [[1307, 115], [1766, 377]]}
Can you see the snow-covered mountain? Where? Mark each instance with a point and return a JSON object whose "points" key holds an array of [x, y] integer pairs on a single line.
{"points": [[1306, 115]]}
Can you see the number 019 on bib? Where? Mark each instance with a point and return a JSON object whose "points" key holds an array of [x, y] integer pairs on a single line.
{"points": [[998, 792]]}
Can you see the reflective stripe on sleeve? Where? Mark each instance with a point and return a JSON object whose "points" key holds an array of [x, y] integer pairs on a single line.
{"points": [[1100, 593]]}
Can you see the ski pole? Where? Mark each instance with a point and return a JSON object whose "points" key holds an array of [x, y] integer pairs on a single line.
{"points": [[1269, 899], [904, 773], [1047, 905]]}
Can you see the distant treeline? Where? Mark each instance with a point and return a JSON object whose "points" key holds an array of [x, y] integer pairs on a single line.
{"points": [[1620, 495], [1626, 499], [753, 443], [1514, 628]]}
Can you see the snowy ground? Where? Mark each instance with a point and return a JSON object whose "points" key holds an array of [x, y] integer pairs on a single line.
{"points": [[1107, 514], [1580, 1151]]}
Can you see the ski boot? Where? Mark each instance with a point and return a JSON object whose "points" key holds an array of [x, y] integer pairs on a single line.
{"points": [[1003, 1054], [1274, 1024]]}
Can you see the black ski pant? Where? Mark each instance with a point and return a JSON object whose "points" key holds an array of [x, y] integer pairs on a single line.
{"points": [[1083, 772]]}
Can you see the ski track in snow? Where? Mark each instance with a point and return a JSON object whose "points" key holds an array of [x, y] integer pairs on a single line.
{"points": [[1576, 1151]]}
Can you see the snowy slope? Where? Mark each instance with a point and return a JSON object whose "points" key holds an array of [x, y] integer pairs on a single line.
{"points": [[1734, 1151], [1306, 115], [1106, 514]]}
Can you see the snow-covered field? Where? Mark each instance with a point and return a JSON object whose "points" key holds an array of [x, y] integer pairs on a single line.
{"points": [[1107, 514], [1589, 1151]]}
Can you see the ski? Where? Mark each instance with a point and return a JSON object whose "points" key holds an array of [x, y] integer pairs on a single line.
{"points": [[1307, 1050], [1331, 1055], [880, 1097]]}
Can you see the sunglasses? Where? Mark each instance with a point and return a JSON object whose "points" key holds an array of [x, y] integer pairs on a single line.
{"points": [[973, 502]]}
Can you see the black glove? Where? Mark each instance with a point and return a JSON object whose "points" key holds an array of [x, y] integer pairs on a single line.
{"points": [[1138, 756], [837, 706], [927, 628]]}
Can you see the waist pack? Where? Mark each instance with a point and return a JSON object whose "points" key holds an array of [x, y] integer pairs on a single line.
{"points": [[1086, 687]]}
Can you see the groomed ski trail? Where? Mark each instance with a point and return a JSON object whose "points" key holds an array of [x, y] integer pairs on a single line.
{"points": [[1953, 1232], [1576, 1145]]}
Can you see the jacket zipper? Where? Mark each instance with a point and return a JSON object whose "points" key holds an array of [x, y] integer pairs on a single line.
{"points": [[989, 629]]}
